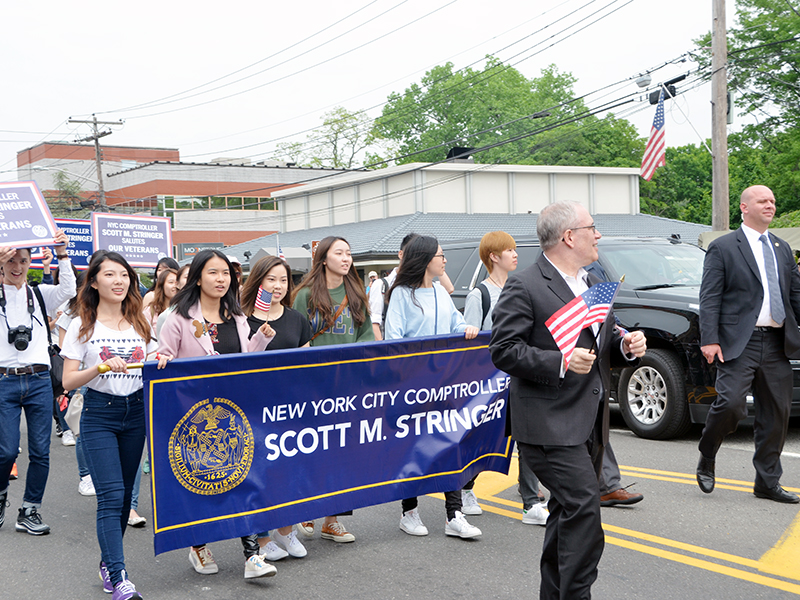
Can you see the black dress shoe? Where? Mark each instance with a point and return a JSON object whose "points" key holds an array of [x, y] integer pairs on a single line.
{"points": [[777, 493], [705, 474]]}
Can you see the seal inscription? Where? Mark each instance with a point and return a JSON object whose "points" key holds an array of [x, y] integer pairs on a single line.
{"points": [[211, 447]]}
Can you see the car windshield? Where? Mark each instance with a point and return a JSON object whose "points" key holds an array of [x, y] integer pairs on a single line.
{"points": [[654, 265]]}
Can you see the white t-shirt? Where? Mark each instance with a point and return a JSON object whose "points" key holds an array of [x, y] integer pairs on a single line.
{"points": [[103, 344]]}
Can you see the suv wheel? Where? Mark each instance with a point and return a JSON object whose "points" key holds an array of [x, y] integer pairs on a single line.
{"points": [[652, 397]]}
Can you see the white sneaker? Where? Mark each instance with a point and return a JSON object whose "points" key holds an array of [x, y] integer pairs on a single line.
{"points": [[256, 567], [469, 503], [535, 515], [68, 439], [86, 487], [411, 523], [203, 561], [273, 552], [291, 543], [459, 527], [305, 528]]}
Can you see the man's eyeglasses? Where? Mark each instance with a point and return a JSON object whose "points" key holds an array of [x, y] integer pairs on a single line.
{"points": [[592, 227]]}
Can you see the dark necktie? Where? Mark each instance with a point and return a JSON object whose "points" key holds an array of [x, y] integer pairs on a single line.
{"points": [[775, 300]]}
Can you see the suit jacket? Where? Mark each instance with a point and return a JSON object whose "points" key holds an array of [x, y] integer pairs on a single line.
{"points": [[185, 338], [545, 409], [731, 294]]}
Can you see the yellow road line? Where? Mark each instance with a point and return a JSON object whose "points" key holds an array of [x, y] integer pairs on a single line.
{"points": [[784, 557], [708, 566], [641, 472], [781, 560]]}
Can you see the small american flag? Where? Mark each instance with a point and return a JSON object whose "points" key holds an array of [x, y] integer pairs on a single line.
{"points": [[590, 307], [281, 255], [654, 156], [263, 299]]}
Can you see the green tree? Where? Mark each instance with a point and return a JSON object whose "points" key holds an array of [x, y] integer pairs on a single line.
{"points": [[681, 189], [67, 196], [487, 108], [343, 142]]}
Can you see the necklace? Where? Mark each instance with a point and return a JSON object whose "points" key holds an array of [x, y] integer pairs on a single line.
{"points": [[494, 282]]}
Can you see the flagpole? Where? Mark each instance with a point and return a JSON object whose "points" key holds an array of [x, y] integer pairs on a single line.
{"points": [[599, 329]]}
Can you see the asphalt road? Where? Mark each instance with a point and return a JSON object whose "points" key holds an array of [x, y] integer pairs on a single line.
{"points": [[677, 543]]}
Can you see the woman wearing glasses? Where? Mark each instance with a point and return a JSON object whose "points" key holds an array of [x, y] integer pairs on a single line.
{"points": [[419, 308]]}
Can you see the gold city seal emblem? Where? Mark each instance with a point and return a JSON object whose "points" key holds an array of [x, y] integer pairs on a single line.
{"points": [[211, 447]]}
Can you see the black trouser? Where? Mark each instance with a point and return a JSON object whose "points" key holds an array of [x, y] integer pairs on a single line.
{"points": [[764, 367], [573, 539], [452, 503]]}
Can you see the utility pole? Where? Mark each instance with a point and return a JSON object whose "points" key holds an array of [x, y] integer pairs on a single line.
{"points": [[720, 207], [98, 156]]}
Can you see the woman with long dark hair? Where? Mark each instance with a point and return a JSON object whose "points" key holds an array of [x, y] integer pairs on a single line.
{"points": [[110, 329], [207, 320], [332, 297], [266, 297], [418, 307]]}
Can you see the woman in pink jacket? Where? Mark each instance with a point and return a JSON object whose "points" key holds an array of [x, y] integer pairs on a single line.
{"points": [[207, 320]]}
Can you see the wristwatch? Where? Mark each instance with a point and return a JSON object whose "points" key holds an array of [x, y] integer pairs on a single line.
{"points": [[61, 256]]}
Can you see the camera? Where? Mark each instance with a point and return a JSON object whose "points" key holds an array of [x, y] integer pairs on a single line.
{"points": [[20, 337]]}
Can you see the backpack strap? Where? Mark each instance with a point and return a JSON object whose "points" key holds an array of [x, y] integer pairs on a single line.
{"points": [[486, 301], [46, 323]]}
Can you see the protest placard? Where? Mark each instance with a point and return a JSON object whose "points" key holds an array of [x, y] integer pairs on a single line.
{"points": [[142, 240], [79, 249], [25, 218]]}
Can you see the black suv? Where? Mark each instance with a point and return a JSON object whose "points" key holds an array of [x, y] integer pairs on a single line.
{"points": [[673, 386]]}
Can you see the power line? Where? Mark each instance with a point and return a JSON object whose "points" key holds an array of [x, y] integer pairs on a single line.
{"points": [[342, 102], [327, 60], [323, 30], [475, 78]]}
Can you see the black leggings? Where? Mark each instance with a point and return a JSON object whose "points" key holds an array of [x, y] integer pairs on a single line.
{"points": [[452, 503]]}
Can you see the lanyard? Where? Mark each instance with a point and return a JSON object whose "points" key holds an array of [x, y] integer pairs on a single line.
{"points": [[31, 308]]}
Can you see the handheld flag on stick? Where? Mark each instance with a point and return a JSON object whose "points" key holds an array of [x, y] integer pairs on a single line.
{"points": [[654, 153], [263, 299], [592, 306]]}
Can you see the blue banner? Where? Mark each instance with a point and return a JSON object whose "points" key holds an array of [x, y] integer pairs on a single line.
{"points": [[244, 443]]}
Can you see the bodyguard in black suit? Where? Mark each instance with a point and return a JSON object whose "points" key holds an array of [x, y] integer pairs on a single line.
{"points": [[558, 416], [749, 310]]}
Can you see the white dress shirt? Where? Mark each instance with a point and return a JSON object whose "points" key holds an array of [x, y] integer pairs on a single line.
{"points": [[764, 315]]}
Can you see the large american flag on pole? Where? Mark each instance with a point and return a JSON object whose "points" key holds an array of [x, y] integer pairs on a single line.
{"points": [[590, 307], [654, 153]]}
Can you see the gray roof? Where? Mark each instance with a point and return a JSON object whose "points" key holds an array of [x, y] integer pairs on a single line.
{"points": [[383, 236]]}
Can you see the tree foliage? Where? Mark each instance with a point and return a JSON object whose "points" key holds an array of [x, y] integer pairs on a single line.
{"points": [[512, 119], [342, 142]]}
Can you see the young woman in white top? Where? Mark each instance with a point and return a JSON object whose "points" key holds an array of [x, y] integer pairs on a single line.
{"points": [[419, 308], [110, 329]]}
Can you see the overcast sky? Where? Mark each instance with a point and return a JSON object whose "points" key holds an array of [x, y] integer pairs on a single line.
{"points": [[72, 59]]}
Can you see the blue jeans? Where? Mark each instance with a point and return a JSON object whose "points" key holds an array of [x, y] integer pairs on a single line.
{"points": [[135, 493], [33, 394], [112, 432], [83, 470]]}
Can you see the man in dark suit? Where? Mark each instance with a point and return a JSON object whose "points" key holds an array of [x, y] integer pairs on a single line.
{"points": [[558, 414], [749, 310]]}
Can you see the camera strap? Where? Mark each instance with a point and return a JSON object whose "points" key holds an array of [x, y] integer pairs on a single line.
{"points": [[31, 307]]}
